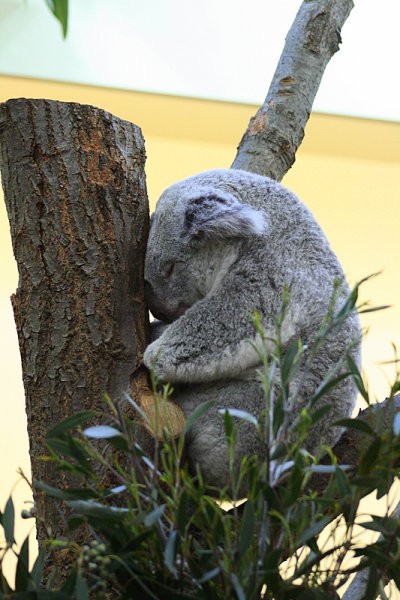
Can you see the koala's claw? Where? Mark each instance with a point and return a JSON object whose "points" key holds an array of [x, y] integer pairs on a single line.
{"points": [[154, 358], [150, 355]]}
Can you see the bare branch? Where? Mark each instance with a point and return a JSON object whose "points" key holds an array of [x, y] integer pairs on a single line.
{"points": [[269, 145]]}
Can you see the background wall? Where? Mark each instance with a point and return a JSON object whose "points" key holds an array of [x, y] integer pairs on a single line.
{"points": [[226, 50], [347, 171]]}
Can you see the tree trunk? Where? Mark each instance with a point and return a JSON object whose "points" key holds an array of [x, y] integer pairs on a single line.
{"points": [[74, 186]]}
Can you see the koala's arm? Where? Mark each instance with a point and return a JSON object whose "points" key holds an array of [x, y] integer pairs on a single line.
{"points": [[217, 339], [212, 340]]}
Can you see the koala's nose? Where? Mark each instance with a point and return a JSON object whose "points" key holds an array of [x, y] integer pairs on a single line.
{"points": [[153, 303]]}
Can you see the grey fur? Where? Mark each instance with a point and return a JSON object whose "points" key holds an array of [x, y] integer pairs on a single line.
{"points": [[223, 244]]}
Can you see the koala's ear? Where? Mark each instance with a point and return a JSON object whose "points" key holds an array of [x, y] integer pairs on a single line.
{"points": [[220, 216]]}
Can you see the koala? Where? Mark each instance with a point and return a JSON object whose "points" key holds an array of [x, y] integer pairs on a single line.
{"points": [[222, 245]]}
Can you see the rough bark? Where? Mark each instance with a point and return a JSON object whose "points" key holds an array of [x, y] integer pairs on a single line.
{"points": [[276, 131], [75, 191], [359, 585], [348, 451], [350, 445]]}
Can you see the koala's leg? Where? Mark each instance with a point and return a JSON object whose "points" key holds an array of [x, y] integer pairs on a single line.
{"points": [[206, 441], [340, 398], [207, 447]]}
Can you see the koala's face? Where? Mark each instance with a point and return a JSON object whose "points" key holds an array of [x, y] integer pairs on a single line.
{"points": [[172, 267], [194, 234]]}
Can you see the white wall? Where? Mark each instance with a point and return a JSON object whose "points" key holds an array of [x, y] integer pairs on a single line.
{"points": [[218, 49]]}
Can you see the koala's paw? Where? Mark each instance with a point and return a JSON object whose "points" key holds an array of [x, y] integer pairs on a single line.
{"points": [[157, 358]]}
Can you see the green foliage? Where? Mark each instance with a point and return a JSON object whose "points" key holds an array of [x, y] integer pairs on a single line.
{"points": [[157, 532], [59, 8]]}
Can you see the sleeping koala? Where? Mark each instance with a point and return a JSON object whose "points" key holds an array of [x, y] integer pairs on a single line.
{"points": [[222, 245]]}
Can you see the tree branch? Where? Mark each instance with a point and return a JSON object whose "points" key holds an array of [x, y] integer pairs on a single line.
{"points": [[270, 143], [350, 444], [358, 586], [347, 450]]}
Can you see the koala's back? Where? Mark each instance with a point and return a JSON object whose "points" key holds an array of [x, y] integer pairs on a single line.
{"points": [[293, 252], [292, 237]]}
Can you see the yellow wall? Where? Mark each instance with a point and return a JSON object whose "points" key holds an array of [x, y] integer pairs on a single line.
{"points": [[347, 172]]}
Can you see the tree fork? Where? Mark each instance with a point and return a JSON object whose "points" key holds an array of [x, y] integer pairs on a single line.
{"points": [[75, 190]]}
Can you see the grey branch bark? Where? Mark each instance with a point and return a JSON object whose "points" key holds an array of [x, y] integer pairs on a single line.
{"points": [[270, 143], [75, 191], [347, 450], [350, 445], [358, 586]]}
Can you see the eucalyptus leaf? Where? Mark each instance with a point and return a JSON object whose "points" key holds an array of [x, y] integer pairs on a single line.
{"points": [[199, 412], [92, 509], [326, 469], [50, 490], [354, 370], [101, 432], [374, 526], [58, 446], [8, 521], [369, 458], [313, 530], [247, 529], [321, 412], [81, 589], [396, 424], [240, 414], [182, 512], [70, 423], [66, 493], [119, 442], [342, 482], [5, 589], [169, 553], [229, 426], [37, 569], [153, 517], [238, 587], [327, 384], [356, 424], [209, 575], [59, 8], [282, 468], [22, 577], [118, 489]]}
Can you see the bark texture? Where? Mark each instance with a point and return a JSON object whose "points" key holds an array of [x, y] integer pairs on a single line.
{"points": [[75, 191], [276, 131], [352, 442], [359, 585]]}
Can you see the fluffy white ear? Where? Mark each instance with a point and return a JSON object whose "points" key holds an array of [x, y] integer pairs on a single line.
{"points": [[219, 216]]}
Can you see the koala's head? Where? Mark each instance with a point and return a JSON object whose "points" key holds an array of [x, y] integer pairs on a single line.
{"points": [[194, 235]]}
